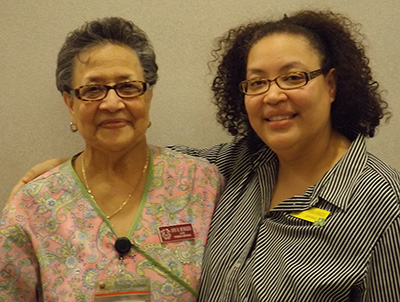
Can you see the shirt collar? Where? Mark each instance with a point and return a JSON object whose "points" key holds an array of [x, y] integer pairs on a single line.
{"points": [[264, 155], [338, 183]]}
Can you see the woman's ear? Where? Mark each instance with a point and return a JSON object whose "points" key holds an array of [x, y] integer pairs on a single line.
{"points": [[331, 83], [69, 102], [149, 94]]}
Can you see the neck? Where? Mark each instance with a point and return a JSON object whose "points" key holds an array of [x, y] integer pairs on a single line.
{"points": [[310, 165], [104, 183], [297, 173], [114, 163], [118, 170]]}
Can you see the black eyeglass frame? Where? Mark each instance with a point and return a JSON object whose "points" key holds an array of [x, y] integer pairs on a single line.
{"points": [[308, 76], [76, 91]]}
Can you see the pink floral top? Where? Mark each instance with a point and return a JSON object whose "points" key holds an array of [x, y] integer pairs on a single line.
{"points": [[55, 242]]}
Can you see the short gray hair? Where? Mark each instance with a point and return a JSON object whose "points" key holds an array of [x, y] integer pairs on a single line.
{"points": [[112, 30]]}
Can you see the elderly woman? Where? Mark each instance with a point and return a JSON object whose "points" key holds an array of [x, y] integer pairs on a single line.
{"points": [[73, 225], [307, 214]]}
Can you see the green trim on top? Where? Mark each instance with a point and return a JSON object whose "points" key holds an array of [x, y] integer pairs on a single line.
{"points": [[136, 221], [139, 217], [165, 270], [144, 196], [87, 195]]}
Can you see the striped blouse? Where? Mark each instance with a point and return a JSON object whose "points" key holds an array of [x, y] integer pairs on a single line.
{"points": [[258, 255]]}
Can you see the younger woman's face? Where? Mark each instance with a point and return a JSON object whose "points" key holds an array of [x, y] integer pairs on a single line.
{"points": [[289, 119]]}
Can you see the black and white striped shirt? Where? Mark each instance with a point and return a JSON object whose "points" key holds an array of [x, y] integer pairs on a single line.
{"points": [[256, 255]]}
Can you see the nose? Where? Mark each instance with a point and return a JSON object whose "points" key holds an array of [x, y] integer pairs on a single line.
{"points": [[112, 102], [274, 94]]}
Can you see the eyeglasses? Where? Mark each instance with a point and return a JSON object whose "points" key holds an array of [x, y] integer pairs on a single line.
{"points": [[97, 92], [288, 81]]}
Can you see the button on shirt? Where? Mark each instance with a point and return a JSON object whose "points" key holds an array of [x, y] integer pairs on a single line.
{"points": [[256, 255]]}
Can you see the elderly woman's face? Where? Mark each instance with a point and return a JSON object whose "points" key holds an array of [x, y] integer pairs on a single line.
{"points": [[113, 124], [289, 119]]}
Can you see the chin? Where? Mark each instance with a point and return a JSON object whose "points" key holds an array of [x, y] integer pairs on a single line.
{"points": [[279, 142]]}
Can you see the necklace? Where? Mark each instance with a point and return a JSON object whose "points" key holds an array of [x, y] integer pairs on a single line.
{"points": [[130, 195]]}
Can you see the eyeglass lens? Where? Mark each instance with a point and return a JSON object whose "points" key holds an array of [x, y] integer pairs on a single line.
{"points": [[99, 92]]}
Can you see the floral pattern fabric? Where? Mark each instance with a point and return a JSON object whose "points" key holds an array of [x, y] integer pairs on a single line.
{"points": [[55, 242]]}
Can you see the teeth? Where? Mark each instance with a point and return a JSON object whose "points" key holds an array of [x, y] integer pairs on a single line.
{"points": [[279, 118]]}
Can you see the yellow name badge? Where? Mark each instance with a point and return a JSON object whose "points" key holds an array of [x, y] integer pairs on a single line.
{"points": [[314, 215]]}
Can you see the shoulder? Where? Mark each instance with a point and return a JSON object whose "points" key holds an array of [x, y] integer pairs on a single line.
{"points": [[382, 176], [60, 172], [373, 179], [32, 199], [170, 166], [167, 163], [226, 156], [61, 169], [175, 157], [227, 151], [377, 192], [46, 186]]}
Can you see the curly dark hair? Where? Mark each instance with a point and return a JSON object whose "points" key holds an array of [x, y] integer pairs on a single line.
{"points": [[358, 106], [114, 30]]}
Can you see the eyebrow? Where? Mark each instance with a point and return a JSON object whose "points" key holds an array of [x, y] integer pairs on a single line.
{"points": [[283, 68], [101, 79]]}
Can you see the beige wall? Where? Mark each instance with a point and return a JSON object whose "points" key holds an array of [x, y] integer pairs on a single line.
{"points": [[34, 123]]}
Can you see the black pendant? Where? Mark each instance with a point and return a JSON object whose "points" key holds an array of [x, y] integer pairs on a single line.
{"points": [[122, 245]]}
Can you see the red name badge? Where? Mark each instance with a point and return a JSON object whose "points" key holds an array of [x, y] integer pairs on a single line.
{"points": [[177, 232]]}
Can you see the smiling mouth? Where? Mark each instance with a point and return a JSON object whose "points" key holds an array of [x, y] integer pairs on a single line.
{"points": [[280, 118], [113, 123]]}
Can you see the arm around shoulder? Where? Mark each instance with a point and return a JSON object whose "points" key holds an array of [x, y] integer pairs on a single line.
{"points": [[224, 156]]}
